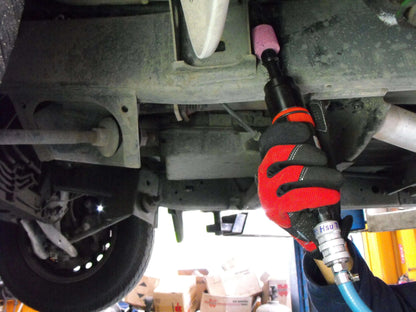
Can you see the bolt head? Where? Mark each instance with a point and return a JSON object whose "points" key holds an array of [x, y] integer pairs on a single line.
{"points": [[189, 189]]}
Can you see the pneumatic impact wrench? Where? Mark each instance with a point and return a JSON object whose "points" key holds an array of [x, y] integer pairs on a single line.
{"points": [[285, 105]]}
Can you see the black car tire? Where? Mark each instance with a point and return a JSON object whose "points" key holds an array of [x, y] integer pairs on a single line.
{"points": [[121, 271], [10, 14]]}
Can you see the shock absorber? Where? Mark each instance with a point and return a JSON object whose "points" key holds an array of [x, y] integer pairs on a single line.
{"points": [[282, 101]]}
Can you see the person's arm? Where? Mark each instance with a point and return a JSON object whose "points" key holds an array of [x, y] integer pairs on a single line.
{"points": [[293, 182], [374, 292]]}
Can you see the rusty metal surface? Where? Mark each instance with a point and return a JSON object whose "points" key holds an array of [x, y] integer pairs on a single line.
{"points": [[391, 220], [352, 124], [333, 49], [209, 154], [205, 195], [123, 53], [342, 49], [29, 137], [10, 13], [72, 110]]}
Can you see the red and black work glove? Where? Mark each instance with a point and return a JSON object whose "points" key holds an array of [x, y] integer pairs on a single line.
{"points": [[294, 182]]}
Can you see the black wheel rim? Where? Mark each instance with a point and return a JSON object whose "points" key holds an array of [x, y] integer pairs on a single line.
{"points": [[75, 269]]}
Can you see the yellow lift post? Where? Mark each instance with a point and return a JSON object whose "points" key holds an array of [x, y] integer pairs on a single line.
{"points": [[391, 254]]}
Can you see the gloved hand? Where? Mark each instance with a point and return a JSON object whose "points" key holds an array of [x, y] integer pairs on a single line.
{"points": [[294, 181]]}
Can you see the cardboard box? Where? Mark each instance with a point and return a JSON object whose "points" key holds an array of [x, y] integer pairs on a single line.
{"points": [[234, 284], [171, 302], [211, 303], [143, 289], [193, 272], [196, 293], [198, 289], [282, 291], [175, 294]]}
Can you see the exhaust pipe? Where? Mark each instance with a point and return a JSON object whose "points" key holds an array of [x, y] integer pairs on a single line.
{"points": [[398, 128]]}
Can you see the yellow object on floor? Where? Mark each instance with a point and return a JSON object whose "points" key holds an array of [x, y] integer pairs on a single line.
{"points": [[13, 305], [391, 255]]}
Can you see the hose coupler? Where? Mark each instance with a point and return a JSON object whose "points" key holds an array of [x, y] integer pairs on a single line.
{"points": [[332, 245]]}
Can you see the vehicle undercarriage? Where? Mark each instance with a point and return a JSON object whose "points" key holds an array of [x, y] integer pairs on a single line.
{"points": [[107, 114]]}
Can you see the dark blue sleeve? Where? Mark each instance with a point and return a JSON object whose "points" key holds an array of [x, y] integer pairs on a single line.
{"points": [[378, 296]]}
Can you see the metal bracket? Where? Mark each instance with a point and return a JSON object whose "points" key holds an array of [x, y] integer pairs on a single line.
{"points": [[148, 183], [392, 220], [146, 209], [177, 219], [59, 240], [60, 109], [228, 225], [35, 240]]}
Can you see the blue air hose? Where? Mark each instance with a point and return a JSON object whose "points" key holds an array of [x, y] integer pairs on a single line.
{"points": [[336, 256], [353, 300], [327, 232]]}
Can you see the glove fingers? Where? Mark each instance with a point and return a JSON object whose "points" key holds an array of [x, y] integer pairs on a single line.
{"points": [[284, 134], [296, 200], [313, 177], [275, 155], [304, 154], [303, 223], [293, 180]]}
